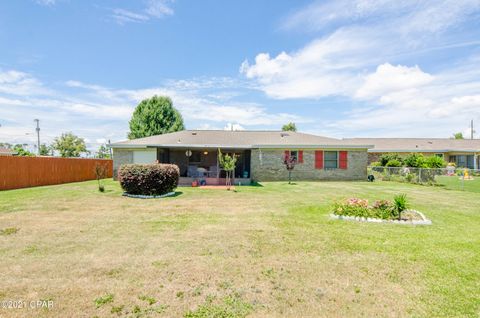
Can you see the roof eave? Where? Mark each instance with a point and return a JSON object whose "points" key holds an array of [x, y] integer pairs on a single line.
{"points": [[318, 146], [422, 150], [192, 146]]}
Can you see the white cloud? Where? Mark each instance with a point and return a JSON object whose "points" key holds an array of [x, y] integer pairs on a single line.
{"points": [[361, 56], [324, 67], [96, 112], [232, 126], [154, 9], [20, 83], [46, 2], [422, 105], [388, 78], [123, 16], [409, 16], [159, 8]]}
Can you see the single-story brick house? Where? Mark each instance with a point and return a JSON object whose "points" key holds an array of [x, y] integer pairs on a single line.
{"points": [[7, 152], [260, 155], [463, 152]]}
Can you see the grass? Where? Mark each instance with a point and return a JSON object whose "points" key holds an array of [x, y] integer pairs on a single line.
{"points": [[456, 183], [260, 251]]}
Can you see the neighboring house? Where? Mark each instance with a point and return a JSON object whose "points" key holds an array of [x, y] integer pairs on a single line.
{"points": [[260, 155], [463, 152], [7, 152]]}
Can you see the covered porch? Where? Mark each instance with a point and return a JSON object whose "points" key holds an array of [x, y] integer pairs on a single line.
{"points": [[201, 165]]}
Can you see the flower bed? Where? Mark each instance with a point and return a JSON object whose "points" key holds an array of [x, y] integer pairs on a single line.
{"points": [[380, 211], [415, 218]]}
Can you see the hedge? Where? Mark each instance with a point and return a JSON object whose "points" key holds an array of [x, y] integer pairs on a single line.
{"points": [[148, 179]]}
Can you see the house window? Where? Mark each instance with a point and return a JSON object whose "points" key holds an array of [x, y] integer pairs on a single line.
{"points": [[440, 155], [330, 159], [470, 161], [461, 161], [294, 155]]}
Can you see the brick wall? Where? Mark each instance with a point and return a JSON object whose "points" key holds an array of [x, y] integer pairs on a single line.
{"points": [[267, 165]]}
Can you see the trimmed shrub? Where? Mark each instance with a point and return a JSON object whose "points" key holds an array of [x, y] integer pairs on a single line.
{"points": [[386, 157], [414, 160], [394, 163], [435, 162], [148, 179]]}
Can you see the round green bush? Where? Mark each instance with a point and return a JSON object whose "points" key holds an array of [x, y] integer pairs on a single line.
{"points": [[148, 179]]}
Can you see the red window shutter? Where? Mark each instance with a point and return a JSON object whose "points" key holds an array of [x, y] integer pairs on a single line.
{"points": [[300, 156], [343, 160], [318, 159]]}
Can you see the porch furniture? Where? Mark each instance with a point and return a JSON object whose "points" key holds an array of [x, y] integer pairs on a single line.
{"points": [[201, 172], [192, 171]]}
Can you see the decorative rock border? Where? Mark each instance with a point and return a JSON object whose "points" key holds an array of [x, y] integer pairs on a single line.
{"points": [[423, 221], [141, 196]]}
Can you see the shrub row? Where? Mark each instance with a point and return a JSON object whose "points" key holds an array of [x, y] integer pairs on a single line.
{"points": [[413, 160], [148, 179]]}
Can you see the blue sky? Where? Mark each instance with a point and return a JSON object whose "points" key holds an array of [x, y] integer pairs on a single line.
{"points": [[340, 68]]}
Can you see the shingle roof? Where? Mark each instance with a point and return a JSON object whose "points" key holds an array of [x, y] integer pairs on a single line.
{"points": [[236, 139], [418, 144]]}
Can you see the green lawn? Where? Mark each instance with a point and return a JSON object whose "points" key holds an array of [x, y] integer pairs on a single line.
{"points": [[456, 183], [262, 251]]}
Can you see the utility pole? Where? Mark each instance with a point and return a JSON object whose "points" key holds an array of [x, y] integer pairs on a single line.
{"points": [[38, 134], [471, 129]]}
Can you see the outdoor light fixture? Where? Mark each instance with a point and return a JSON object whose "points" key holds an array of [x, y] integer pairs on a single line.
{"points": [[205, 152], [188, 153]]}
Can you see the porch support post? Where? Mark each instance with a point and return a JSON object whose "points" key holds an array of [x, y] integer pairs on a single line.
{"points": [[218, 167], [475, 161]]}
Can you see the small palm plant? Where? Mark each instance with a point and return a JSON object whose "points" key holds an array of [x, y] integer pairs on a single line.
{"points": [[227, 162], [400, 203]]}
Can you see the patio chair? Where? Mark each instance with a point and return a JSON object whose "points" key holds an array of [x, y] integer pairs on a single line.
{"points": [[192, 172]]}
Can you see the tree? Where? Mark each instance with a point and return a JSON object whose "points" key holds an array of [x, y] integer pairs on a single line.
{"points": [[289, 162], [289, 127], [21, 151], [155, 116], [458, 135], [103, 152], [69, 145], [45, 150], [6, 145], [227, 162], [100, 173]]}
